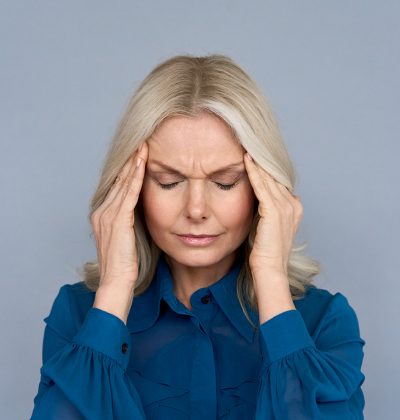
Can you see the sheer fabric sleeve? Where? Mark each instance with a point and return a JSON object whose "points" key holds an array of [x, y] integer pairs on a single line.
{"points": [[83, 375], [317, 377]]}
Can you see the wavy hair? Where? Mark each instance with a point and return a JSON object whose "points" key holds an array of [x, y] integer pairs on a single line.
{"points": [[187, 85]]}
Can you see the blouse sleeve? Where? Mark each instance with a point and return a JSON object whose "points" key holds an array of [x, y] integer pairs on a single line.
{"points": [[83, 375], [317, 377]]}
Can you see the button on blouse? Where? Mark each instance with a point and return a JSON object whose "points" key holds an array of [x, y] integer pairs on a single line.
{"points": [[205, 299]]}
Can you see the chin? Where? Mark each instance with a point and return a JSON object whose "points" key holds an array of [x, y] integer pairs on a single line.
{"points": [[196, 257]]}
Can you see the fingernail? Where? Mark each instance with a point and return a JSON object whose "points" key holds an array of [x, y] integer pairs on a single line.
{"points": [[138, 162], [141, 147], [249, 157]]}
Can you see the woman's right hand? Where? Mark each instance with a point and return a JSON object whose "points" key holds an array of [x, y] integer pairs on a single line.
{"points": [[112, 223]]}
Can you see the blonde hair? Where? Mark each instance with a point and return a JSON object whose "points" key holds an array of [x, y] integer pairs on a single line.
{"points": [[187, 85]]}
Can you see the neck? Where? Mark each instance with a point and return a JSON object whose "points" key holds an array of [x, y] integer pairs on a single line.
{"points": [[189, 279]]}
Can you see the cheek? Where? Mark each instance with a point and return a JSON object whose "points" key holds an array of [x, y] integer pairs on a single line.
{"points": [[157, 206], [238, 210]]}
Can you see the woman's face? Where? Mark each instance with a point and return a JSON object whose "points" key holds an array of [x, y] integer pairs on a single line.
{"points": [[195, 148]]}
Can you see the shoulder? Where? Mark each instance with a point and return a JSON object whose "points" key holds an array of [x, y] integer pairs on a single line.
{"points": [[320, 306], [69, 308], [321, 299]]}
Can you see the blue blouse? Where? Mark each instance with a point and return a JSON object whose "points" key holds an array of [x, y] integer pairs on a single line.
{"points": [[170, 363]]}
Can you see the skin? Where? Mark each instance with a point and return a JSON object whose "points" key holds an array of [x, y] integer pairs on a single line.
{"points": [[195, 205], [280, 215]]}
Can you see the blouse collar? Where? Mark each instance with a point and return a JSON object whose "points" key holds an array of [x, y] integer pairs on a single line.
{"points": [[146, 307]]}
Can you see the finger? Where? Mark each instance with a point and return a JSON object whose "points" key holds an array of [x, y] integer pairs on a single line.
{"points": [[285, 191], [267, 181], [270, 182], [118, 188], [294, 201], [261, 189], [134, 187], [122, 180], [124, 185], [278, 190], [118, 182]]}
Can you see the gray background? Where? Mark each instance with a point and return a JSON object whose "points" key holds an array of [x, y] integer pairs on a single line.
{"points": [[330, 71]]}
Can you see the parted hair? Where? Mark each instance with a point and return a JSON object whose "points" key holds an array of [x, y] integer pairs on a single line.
{"points": [[187, 85]]}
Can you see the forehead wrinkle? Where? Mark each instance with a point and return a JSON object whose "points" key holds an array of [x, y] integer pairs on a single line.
{"points": [[225, 169]]}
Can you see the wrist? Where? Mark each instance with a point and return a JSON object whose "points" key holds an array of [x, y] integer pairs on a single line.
{"points": [[270, 279], [115, 299], [273, 294]]}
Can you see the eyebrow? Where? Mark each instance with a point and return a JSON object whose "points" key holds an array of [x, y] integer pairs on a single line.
{"points": [[216, 172]]}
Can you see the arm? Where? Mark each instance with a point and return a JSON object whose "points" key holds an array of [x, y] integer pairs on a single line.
{"points": [[84, 373], [317, 377], [303, 377]]}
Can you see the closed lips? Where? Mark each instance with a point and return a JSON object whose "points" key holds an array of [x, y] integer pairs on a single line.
{"points": [[198, 236]]}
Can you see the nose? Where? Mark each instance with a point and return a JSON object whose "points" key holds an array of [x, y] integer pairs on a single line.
{"points": [[196, 205]]}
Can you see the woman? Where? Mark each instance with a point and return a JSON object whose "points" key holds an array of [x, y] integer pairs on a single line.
{"points": [[199, 306]]}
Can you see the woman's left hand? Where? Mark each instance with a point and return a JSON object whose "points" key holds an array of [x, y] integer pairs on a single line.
{"points": [[280, 214]]}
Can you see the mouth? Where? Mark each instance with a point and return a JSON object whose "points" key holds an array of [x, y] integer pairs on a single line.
{"points": [[197, 240], [190, 235]]}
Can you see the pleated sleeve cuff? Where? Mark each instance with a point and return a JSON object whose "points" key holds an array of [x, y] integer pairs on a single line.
{"points": [[105, 332], [283, 334]]}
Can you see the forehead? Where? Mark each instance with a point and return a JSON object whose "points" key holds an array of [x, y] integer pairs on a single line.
{"points": [[200, 136]]}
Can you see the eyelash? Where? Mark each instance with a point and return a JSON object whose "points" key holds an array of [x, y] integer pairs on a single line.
{"points": [[224, 187]]}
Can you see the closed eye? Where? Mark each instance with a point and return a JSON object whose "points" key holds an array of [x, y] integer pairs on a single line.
{"points": [[174, 184]]}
